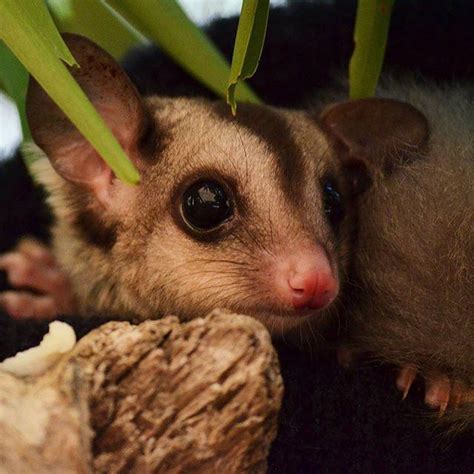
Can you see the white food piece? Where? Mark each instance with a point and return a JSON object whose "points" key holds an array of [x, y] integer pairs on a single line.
{"points": [[60, 339]]}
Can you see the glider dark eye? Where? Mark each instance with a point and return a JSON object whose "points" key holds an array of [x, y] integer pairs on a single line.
{"points": [[206, 205], [332, 202]]}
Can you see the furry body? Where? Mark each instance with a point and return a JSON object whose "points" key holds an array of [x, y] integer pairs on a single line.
{"points": [[414, 263]]}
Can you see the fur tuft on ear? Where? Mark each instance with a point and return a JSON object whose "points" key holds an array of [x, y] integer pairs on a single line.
{"points": [[374, 135], [115, 98]]}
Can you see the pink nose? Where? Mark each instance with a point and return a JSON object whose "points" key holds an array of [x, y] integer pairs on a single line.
{"points": [[305, 279], [313, 289]]}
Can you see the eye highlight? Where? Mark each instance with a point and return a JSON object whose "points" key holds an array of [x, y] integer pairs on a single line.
{"points": [[333, 204], [206, 205]]}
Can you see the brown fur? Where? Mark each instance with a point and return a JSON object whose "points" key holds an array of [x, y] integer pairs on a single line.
{"points": [[154, 267], [415, 260], [126, 249]]}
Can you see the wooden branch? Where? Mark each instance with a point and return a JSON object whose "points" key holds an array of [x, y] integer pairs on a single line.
{"points": [[198, 397], [44, 424]]}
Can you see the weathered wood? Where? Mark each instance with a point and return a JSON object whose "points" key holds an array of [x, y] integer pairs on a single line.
{"points": [[168, 397], [44, 425]]}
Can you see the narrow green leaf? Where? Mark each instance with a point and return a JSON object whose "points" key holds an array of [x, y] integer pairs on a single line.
{"points": [[165, 22], [370, 36], [97, 21], [32, 17], [14, 81], [28, 30], [248, 44]]}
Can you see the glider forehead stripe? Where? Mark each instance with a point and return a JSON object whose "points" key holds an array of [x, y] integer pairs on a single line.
{"points": [[275, 131]]}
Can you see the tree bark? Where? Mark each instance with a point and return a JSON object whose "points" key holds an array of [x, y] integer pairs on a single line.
{"points": [[161, 396]]}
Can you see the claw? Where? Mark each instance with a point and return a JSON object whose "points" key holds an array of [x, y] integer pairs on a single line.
{"points": [[438, 392], [441, 392], [405, 379], [442, 408]]}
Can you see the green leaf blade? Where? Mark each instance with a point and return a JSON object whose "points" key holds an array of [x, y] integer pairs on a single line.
{"points": [[248, 45], [96, 21], [26, 36], [165, 22], [370, 36]]}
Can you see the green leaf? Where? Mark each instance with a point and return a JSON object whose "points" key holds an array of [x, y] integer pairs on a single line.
{"points": [[96, 21], [165, 22], [28, 30], [14, 81], [248, 44], [370, 36]]}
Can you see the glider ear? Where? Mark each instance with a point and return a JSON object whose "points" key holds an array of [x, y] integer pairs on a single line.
{"points": [[115, 98], [374, 135]]}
